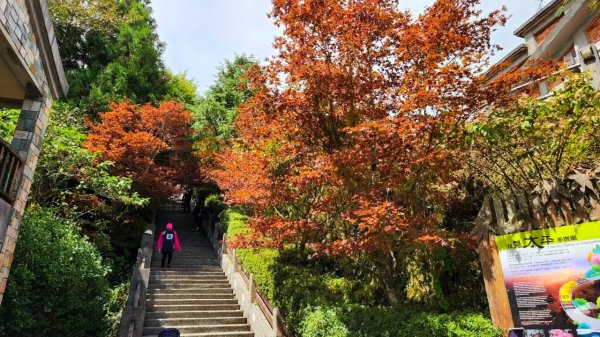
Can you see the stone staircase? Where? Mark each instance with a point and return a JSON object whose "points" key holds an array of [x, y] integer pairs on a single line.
{"points": [[193, 295]]}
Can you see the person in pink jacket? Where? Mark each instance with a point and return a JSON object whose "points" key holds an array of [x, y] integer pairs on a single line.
{"points": [[168, 242]]}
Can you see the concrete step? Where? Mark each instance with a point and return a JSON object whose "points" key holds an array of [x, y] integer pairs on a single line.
{"points": [[168, 272], [168, 322], [209, 334], [191, 291], [201, 329], [206, 255], [200, 255], [183, 281], [190, 278], [190, 307], [188, 295], [187, 277], [193, 314], [180, 268], [169, 287], [187, 301], [200, 270], [178, 262], [187, 258]]}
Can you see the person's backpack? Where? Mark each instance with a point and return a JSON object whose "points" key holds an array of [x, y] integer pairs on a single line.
{"points": [[169, 332], [168, 241]]}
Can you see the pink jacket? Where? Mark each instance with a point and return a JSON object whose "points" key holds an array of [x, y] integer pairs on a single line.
{"points": [[160, 241]]}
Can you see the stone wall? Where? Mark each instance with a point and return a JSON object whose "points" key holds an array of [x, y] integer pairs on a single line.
{"points": [[27, 141], [23, 34]]}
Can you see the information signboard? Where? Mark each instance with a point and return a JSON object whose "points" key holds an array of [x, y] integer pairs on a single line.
{"points": [[552, 278]]}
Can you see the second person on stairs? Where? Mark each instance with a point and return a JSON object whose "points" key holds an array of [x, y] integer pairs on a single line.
{"points": [[168, 242]]}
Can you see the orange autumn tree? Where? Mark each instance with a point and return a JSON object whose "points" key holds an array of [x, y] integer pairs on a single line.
{"points": [[351, 143], [148, 144]]}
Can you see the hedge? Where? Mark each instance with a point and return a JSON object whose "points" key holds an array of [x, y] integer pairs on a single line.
{"points": [[363, 321], [319, 303]]}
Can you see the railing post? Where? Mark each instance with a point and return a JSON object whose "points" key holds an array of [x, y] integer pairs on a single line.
{"points": [[236, 267], [132, 319], [131, 329], [252, 288], [223, 250], [275, 322], [214, 240]]}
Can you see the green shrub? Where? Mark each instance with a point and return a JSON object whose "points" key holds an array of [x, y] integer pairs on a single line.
{"points": [[214, 203], [234, 221], [323, 323], [361, 321], [318, 302], [391, 322], [8, 122], [57, 284], [259, 262], [114, 308]]}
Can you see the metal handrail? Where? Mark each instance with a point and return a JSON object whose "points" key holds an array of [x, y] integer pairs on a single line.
{"points": [[10, 164]]}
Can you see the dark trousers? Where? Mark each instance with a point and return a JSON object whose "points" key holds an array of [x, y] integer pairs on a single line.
{"points": [[164, 256]]}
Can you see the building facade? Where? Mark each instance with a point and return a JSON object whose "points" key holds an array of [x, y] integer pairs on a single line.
{"points": [[570, 33], [31, 76]]}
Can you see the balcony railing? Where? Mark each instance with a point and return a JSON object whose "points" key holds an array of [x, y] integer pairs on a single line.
{"points": [[10, 164]]}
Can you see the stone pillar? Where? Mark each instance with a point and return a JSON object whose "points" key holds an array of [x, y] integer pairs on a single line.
{"points": [[27, 141]]}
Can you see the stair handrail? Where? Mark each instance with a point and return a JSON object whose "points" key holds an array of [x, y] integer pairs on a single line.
{"points": [[273, 315], [132, 319]]}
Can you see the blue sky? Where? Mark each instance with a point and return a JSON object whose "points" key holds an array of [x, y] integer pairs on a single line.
{"points": [[200, 34]]}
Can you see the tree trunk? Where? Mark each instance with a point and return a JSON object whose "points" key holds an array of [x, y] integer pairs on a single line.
{"points": [[391, 294]]}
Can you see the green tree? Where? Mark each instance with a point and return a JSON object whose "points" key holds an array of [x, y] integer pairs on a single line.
{"points": [[86, 15], [57, 285], [137, 71], [534, 141], [8, 121], [182, 89], [112, 52], [71, 180], [84, 28], [214, 114], [594, 4]]}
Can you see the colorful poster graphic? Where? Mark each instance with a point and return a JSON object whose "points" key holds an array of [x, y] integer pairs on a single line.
{"points": [[552, 278]]}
